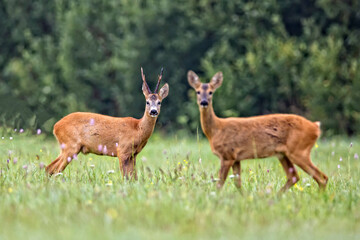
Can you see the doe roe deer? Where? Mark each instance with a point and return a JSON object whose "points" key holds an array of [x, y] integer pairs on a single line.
{"points": [[122, 137], [286, 136]]}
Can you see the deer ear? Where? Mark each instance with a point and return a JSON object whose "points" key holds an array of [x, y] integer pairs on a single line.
{"points": [[216, 80], [145, 89], [164, 91], [193, 79]]}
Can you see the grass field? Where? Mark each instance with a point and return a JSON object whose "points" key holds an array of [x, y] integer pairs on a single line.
{"points": [[175, 197]]}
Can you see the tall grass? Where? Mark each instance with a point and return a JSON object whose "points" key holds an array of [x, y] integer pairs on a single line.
{"points": [[175, 196]]}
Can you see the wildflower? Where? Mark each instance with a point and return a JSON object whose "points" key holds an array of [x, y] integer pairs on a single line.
{"points": [[10, 152], [111, 213], [332, 153], [40, 150], [7, 161], [110, 171], [92, 165], [69, 159], [267, 170], [340, 159], [25, 167], [41, 165], [100, 147], [2, 138], [212, 193], [11, 138], [10, 190], [316, 145], [164, 152], [92, 122], [144, 159], [62, 146], [21, 130], [15, 130], [291, 170], [356, 156], [105, 150], [88, 202], [75, 156], [200, 160], [109, 183], [38, 132], [116, 144], [15, 160], [339, 166], [351, 144], [299, 188], [294, 179], [90, 158]]}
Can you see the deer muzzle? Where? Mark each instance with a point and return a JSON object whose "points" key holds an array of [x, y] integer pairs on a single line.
{"points": [[204, 103]]}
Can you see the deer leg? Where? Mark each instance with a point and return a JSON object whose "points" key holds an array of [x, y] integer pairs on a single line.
{"points": [[236, 167], [134, 173], [291, 173], [304, 162], [224, 170], [51, 167], [127, 166], [62, 161], [123, 165]]}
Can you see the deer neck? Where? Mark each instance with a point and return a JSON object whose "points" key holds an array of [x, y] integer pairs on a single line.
{"points": [[208, 120], [147, 125]]}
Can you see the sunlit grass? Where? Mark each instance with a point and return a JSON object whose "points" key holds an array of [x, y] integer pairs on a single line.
{"points": [[175, 196]]}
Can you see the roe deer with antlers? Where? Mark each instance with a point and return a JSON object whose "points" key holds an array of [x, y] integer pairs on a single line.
{"points": [[104, 135], [286, 136]]}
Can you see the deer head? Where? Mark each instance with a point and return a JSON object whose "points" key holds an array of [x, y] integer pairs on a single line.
{"points": [[204, 91], [153, 99]]}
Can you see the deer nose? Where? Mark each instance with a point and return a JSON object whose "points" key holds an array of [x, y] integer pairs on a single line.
{"points": [[204, 103], [153, 112]]}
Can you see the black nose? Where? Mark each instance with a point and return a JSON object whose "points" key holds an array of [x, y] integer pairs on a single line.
{"points": [[153, 112], [204, 103]]}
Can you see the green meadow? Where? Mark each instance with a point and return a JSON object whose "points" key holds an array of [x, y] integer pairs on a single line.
{"points": [[175, 196]]}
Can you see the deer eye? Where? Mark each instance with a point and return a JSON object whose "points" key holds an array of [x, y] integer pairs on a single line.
{"points": [[210, 92], [147, 102], [159, 103], [198, 92]]}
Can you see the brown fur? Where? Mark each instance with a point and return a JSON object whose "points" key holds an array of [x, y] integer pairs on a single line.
{"points": [[287, 136], [104, 135]]}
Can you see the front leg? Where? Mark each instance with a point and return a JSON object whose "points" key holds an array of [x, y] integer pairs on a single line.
{"points": [[224, 170], [237, 173], [127, 163]]}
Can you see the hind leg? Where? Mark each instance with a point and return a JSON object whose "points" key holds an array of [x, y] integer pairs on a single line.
{"points": [[52, 166], [61, 162], [291, 174], [304, 162]]}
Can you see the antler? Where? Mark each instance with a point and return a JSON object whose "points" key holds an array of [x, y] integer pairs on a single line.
{"points": [[143, 78], [158, 83]]}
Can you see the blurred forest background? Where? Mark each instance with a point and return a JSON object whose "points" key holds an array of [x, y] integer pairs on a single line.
{"points": [[288, 56]]}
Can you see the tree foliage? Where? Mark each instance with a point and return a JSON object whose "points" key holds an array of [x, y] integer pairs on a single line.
{"points": [[62, 56]]}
